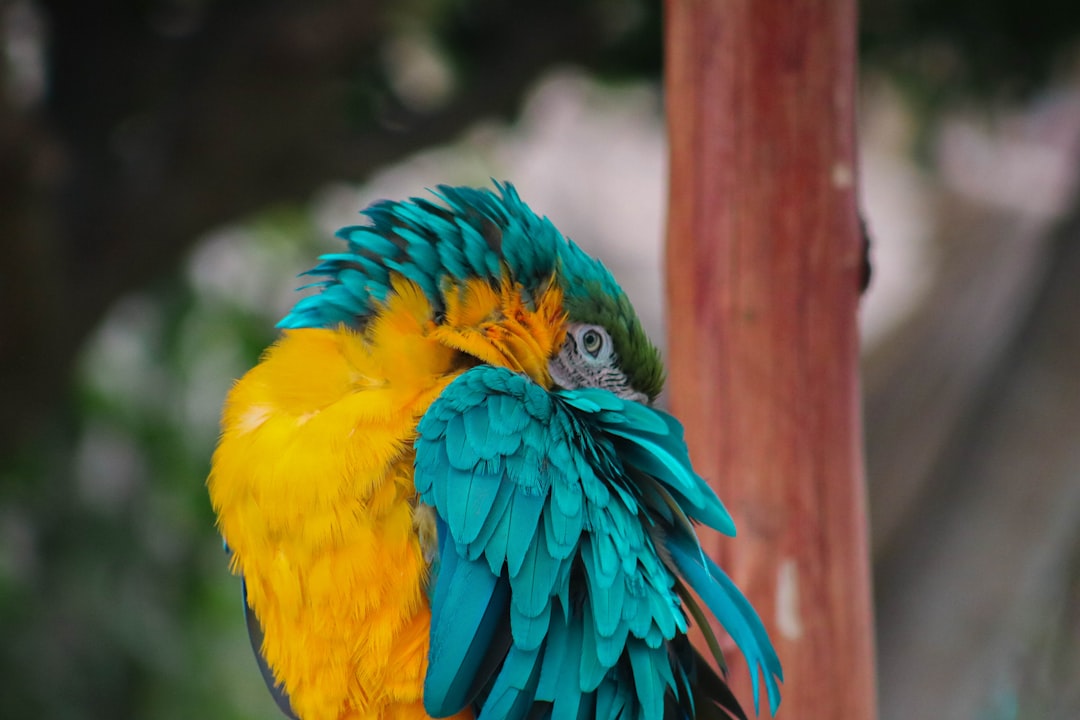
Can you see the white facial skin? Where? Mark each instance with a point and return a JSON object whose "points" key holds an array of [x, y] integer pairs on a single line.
{"points": [[587, 359]]}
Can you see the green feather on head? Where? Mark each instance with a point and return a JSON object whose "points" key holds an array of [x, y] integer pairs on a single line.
{"points": [[638, 358]]}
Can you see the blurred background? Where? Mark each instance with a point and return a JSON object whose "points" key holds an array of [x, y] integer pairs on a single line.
{"points": [[167, 167]]}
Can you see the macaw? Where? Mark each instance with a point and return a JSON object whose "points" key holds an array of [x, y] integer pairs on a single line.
{"points": [[448, 494]]}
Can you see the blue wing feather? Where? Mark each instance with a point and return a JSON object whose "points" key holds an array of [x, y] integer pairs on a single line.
{"points": [[513, 694], [468, 606], [735, 613], [546, 528]]}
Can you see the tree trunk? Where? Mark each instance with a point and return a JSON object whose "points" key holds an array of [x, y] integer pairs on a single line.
{"points": [[764, 263]]}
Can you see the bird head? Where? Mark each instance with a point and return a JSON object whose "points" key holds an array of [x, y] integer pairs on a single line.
{"points": [[504, 285]]}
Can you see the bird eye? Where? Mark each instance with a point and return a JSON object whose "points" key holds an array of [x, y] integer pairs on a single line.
{"points": [[592, 341]]}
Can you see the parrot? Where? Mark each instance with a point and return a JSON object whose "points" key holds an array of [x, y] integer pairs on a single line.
{"points": [[448, 492]]}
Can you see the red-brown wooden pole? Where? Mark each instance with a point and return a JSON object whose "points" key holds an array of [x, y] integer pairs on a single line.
{"points": [[763, 267]]}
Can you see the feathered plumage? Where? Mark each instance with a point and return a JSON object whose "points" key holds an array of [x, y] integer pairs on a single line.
{"points": [[447, 493]]}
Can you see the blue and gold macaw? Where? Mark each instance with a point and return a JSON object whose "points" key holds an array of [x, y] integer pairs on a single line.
{"points": [[448, 495]]}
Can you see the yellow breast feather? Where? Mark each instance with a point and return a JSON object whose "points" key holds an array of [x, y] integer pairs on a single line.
{"points": [[312, 483]]}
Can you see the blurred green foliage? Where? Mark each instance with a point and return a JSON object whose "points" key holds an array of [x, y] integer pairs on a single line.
{"points": [[116, 598]]}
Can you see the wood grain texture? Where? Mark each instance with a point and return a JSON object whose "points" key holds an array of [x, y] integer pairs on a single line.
{"points": [[763, 261]]}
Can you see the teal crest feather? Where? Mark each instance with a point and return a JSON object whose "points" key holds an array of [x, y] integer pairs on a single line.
{"points": [[474, 234]]}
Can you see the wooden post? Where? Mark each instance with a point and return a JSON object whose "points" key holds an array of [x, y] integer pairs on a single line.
{"points": [[763, 270]]}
